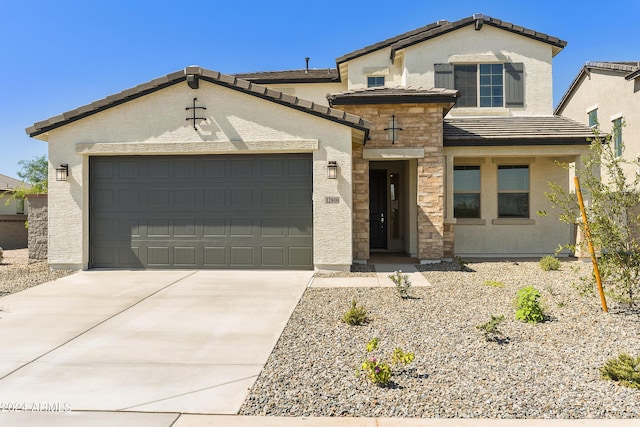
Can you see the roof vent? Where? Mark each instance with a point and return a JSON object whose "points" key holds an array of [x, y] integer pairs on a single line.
{"points": [[442, 22], [306, 70]]}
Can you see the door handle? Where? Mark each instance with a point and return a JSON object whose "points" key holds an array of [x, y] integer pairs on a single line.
{"points": [[382, 218]]}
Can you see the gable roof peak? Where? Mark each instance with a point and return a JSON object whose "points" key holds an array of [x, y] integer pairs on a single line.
{"points": [[192, 74], [443, 26]]}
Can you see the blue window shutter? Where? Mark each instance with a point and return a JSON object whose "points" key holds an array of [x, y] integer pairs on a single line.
{"points": [[443, 76], [514, 84]]}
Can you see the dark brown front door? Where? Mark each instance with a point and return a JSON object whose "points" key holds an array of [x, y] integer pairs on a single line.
{"points": [[378, 209]]}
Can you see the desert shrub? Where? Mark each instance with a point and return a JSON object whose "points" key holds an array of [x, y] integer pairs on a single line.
{"points": [[549, 263], [378, 371], [402, 283], [490, 329], [355, 315], [625, 369], [528, 306]]}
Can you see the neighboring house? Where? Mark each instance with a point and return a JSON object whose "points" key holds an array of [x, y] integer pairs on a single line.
{"points": [[437, 142], [8, 203], [607, 95], [13, 234]]}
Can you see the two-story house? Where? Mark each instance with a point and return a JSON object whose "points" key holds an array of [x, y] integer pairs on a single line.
{"points": [[607, 95], [434, 143]]}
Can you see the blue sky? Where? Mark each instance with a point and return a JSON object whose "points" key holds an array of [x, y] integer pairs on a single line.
{"points": [[59, 55]]}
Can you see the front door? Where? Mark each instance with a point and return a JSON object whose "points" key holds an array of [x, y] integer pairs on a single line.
{"points": [[378, 209]]}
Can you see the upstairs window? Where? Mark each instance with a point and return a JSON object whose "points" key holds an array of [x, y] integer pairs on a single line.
{"points": [[466, 191], [513, 191], [593, 117], [375, 81], [483, 85], [616, 136], [482, 82]]}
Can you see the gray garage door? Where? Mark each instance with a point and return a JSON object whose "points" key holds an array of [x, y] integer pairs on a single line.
{"points": [[231, 211]]}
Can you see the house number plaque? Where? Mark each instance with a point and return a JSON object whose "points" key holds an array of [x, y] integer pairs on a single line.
{"points": [[332, 199]]}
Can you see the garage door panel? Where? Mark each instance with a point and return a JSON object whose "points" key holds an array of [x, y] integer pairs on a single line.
{"points": [[184, 256], [158, 256], [215, 227], [242, 256], [300, 256], [215, 256], [244, 211]]}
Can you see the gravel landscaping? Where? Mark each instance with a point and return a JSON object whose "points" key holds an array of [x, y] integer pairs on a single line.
{"points": [[546, 370], [17, 274]]}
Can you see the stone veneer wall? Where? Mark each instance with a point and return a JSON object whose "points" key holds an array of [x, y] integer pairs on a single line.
{"points": [[421, 127], [37, 206]]}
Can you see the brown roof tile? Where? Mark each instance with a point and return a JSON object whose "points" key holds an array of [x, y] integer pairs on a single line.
{"points": [[398, 95], [214, 77], [309, 75], [442, 27], [499, 131]]}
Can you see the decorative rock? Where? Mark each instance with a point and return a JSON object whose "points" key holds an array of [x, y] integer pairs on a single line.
{"points": [[546, 370]]}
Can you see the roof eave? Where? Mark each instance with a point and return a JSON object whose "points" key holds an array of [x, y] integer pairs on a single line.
{"points": [[514, 142]]}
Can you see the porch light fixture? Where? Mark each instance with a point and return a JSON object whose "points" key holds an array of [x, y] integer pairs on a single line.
{"points": [[332, 169], [62, 172]]}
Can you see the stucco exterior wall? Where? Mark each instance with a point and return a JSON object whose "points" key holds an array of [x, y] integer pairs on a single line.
{"points": [[489, 45], [8, 204], [537, 236], [613, 96], [375, 64], [414, 66], [156, 124], [316, 92]]}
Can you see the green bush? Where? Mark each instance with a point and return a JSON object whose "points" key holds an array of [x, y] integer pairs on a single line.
{"points": [[490, 328], [549, 263], [624, 369], [528, 306], [378, 371], [355, 315]]}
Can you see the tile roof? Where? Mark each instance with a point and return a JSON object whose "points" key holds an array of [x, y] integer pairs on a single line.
{"points": [[442, 27], [305, 75], [7, 183], [628, 69], [394, 95], [214, 77], [514, 131]]}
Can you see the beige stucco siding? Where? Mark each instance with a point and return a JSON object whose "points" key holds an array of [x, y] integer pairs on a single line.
{"points": [[536, 236], [377, 63], [235, 122], [316, 92], [613, 96], [488, 45]]}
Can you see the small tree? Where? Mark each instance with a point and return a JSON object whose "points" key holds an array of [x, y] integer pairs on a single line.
{"points": [[36, 173], [613, 217]]}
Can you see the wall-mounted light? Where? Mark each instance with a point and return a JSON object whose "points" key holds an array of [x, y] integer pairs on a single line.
{"points": [[62, 172], [332, 169]]}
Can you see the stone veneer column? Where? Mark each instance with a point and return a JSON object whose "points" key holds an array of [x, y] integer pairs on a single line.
{"points": [[421, 128], [38, 217], [360, 171]]}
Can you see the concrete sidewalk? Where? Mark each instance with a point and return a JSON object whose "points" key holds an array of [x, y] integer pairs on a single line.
{"points": [[380, 279], [109, 419]]}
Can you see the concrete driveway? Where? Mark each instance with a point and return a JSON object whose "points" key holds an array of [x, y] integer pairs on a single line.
{"points": [[143, 341]]}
